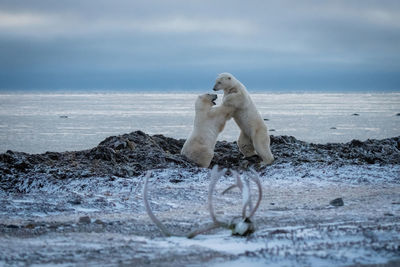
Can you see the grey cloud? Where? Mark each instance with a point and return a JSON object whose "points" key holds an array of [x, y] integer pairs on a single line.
{"points": [[182, 37]]}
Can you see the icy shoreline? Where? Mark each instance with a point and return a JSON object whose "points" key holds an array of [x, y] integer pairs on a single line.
{"points": [[85, 207]]}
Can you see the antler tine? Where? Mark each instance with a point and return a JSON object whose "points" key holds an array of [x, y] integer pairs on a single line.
{"points": [[148, 209], [250, 202], [241, 228], [202, 230], [237, 184], [238, 180], [246, 195], [215, 175], [229, 189], [256, 178]]}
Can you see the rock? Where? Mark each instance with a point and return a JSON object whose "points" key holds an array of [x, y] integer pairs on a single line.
{"points": [[337, 202], [266, 119], [333, 128], [398, 114], [356, 143], [22, 166], [64, 117], [52, 155], [355, 114], [98, 221], [175, 181], [130, 144], [8, 157], [370, 160], [244, 164], [30, 226], [75, 201], [53, 226], [278, 231], [85, 219], [103, 153], [120, 145]]}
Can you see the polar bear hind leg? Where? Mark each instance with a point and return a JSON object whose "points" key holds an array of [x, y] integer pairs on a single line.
{"points": [[201, 156], [261, 144], [246, 145]]}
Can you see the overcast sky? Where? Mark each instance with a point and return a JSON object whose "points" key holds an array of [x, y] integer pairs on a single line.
{"points": [[183, 45]]}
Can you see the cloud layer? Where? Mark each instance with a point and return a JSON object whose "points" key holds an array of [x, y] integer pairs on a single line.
{"points": [[270, 45]]}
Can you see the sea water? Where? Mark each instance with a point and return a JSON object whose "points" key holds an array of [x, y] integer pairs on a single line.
{"points": [[39, 122]]}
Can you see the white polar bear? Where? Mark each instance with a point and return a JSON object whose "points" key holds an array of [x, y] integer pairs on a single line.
{"points": [[209, 121], [254, 132]]}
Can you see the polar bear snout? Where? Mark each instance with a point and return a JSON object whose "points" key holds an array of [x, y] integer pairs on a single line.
{"points": [[208, 99], [215, 88], [218, 85], [213, 97]]}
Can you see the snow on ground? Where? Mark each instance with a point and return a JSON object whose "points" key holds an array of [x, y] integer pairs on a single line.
{"points": [[296, 225]]}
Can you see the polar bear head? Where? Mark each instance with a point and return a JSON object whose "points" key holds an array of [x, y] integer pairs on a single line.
{"points": [[205, 101], [225, 81]]}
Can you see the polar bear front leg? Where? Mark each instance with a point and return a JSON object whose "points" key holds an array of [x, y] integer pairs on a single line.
{"points": [[246, 145], [261, 144], [233, 98]]}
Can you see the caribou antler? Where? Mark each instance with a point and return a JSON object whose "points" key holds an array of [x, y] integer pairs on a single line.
{"points": [[244, 187], [244, 226], [148, 209], [256, 179], [215, 175]]}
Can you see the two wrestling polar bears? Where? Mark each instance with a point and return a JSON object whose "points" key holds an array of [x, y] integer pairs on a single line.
{"points": [[210, 121]]}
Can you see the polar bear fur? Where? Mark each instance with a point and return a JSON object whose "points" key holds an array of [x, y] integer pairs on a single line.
{"points": [[209, 121], [254, 138]]}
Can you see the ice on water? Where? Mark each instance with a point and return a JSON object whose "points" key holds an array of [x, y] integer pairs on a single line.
{"points": [[36, 122]]}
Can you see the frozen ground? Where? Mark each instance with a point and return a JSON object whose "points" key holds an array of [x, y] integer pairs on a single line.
{"points": [[296, 224], [85, 207]]}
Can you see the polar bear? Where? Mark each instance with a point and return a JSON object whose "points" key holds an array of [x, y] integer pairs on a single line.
{"points": [[254, 138], [209, 121]]}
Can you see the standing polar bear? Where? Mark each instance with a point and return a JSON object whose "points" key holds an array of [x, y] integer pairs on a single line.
{"points": [[254, 138], [209, 121]]}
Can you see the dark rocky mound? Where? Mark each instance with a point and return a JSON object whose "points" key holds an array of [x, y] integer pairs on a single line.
{"points": [[131, 154]]}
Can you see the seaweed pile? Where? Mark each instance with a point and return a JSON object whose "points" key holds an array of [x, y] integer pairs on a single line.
{"points": [[132, 154]]}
